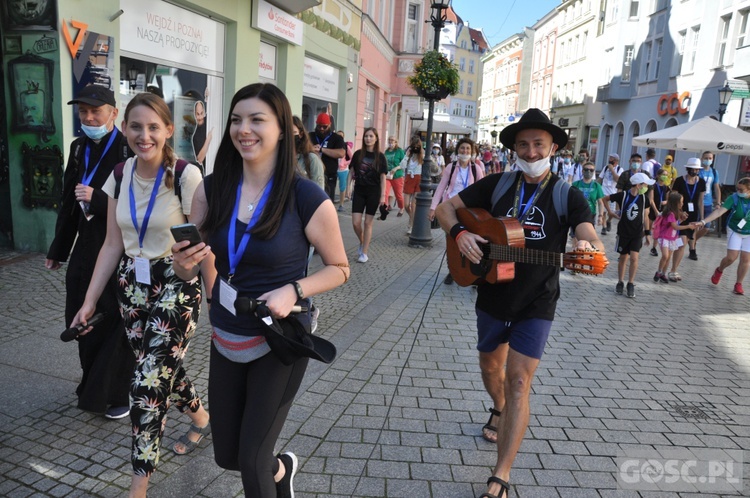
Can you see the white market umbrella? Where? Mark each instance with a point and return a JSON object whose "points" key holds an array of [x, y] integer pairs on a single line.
{"points": [[699, 135]]}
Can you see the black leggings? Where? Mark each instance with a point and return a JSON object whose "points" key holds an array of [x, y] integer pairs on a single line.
{"points": [[249, 405]]}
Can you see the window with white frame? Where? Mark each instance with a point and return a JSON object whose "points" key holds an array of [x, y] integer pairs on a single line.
{"points": [[469, 111], [579, 98], [461, 86], [695, 32], [457, 108], [634, 4], [470, 88], [576, 48], [721, 55], [471, 66], [462, 64], [370, 105], [658, 48], [583, 43], [562, 53], [411, 40], [742, 32], [660, 5], [678, 53], [646, 61], [627, 63], [551, 51], [537, 55]]}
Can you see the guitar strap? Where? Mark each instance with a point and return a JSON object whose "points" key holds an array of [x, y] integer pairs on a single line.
{"points": [[559, 194]]}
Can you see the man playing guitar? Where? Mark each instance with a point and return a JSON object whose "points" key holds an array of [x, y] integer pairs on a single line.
{"points": [[514, 318]]}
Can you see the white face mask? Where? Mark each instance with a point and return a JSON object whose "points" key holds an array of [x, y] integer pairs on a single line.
{"points": [[536, 168], [464, 158]]}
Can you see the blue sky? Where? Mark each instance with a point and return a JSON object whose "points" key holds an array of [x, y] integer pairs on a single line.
{"points": [[493, 20]]}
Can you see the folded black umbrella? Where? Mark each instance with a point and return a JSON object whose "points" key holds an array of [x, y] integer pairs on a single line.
{"points": [[290, 338]]}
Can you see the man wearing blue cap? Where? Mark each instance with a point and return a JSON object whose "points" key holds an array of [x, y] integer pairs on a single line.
{"points": [[514, 318], [106, 358]]}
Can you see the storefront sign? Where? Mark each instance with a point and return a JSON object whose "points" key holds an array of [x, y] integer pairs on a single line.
{"points": [[168, 32], [267, 61], [321, 80], [278, 23], [673, 103], [412, 106], [740, 89], [745, 113]]}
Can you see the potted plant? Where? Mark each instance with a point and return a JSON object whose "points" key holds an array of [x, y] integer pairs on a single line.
{"points": [[435, 77]]}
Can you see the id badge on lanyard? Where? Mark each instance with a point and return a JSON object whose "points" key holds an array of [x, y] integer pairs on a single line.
{"points": [[143, 265]]}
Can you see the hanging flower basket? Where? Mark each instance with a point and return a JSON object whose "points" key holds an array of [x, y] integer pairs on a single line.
{"points": [[439, 94], [435, 77]]}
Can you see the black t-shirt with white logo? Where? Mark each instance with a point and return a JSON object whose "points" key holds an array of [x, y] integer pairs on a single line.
{"points": [[366, 173], [330, 141], [534, 291], [632, 207]]}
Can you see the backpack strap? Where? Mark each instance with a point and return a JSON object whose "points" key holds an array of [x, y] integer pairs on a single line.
{"points": [[179, 167], [118, 171], [503, 184], [560, 200], [560, 192]]}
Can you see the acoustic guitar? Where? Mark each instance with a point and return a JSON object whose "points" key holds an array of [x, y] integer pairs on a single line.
{"points": [[506, 247]]}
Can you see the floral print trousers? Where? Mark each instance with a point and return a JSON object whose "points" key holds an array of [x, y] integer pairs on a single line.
{"points": [[160, 320]]}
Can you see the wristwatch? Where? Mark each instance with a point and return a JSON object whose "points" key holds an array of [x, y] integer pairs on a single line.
{"points": [[298, 290]]}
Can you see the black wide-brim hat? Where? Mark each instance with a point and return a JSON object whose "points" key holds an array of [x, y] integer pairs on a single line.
{"points": [[537, 120], [290, 341]]}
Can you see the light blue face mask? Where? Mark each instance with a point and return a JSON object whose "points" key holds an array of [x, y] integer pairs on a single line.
{"points": [[635, 166], [95, 132], [744, 195]]}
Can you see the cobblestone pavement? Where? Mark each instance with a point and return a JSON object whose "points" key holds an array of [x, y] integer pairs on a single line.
{"points": [[399, 413]]}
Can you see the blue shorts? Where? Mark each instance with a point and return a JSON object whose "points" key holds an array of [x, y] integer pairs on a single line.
{"points": [[528, 337]]}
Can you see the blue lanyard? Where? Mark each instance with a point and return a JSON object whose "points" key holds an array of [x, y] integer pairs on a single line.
{"points": [[324, 140], [523, 208], [743, 206], [464, 181], [695, 187], [134, 212], [236, 252], [661, 196], [87, 177], [625, 204]]}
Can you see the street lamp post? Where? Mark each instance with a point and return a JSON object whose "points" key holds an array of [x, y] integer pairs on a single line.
{"points": [[725, 95], [420, 232]]}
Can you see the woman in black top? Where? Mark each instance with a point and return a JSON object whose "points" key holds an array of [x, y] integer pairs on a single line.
{"points": [[260, 217], [369, 167]]}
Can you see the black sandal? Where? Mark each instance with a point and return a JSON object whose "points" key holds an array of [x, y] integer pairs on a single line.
{"points": [[489, 427], [504, 492]]}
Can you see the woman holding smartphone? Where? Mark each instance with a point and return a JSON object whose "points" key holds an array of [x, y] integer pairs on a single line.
{"points": [[159, 309], [260, 217]]}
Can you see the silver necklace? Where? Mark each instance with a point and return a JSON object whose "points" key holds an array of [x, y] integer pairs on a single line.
{"points": [[252, 205]]}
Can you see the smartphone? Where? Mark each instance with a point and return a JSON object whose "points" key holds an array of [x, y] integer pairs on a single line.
{"points": [[186, 231]]}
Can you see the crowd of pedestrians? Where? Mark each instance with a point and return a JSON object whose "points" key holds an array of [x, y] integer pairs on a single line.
{"points": [[270, 201]]}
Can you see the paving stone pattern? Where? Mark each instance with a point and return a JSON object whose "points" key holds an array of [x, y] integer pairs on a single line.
{"points": [[399, 412]]}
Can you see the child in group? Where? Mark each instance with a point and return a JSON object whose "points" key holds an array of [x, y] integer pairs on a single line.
{"points": [[738, 233], [665, 233], [630, 229]]}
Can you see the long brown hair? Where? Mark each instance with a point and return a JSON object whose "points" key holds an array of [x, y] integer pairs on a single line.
{"points": [[228, 167], [157, 104], [303, 147], [416, 143], [375, 148]]}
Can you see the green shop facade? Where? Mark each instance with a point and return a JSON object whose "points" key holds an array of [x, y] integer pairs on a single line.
{"points": [[195, 57]]}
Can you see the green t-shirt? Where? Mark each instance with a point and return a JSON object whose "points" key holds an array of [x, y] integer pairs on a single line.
{"points": [[394, 158], [739, 210], [591, 191]]}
